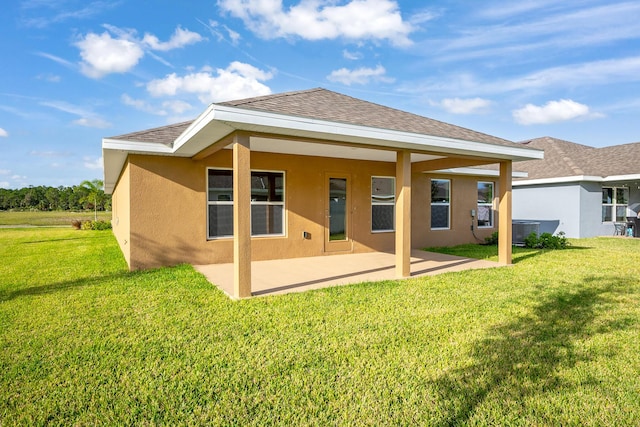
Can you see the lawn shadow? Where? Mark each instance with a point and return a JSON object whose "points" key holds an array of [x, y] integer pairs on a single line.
{"points": [[60, 286], [535, 252], [523, 357]]}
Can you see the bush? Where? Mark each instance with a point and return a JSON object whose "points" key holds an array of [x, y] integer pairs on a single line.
{"points": [[96, 225], [546, 241], [77, 224], [491, 240]]}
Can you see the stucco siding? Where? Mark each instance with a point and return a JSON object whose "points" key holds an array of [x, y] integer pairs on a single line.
{"points": [[591, 224], [120, 213], [557, 207], [168, 223]]}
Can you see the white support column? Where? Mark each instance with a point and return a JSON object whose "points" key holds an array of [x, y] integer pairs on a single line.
{"points": [[403, 213], [505, 214], [241, 216]]}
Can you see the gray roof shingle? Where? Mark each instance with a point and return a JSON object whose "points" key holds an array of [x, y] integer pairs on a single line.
{"points": [[323, 104], [566, 159]]}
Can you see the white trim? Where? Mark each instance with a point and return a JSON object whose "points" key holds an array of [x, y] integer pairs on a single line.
{"points": [[477, 172], [218, 121], [391, 203], [136, 147], [447, 204], [254, 120], [490, 204], [577, 178], [252, 203]]}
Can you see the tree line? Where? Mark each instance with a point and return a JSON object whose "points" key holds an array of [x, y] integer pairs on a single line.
{"points": [[87, 195]]}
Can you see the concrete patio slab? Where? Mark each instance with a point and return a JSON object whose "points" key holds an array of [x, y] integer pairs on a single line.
{"points": [[302, 274]]}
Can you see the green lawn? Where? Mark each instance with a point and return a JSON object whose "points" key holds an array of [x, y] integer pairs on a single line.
{"points": [[38, 218], [552, 340]]}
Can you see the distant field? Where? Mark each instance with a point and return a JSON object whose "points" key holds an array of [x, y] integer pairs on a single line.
{"points": [[47, 218]]}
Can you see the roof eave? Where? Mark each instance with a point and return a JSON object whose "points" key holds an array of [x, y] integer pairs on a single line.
{"points": [[115, 152], [228, 118]]}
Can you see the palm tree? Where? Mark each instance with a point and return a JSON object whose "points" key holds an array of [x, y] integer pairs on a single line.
{"points": [[94, 191]]}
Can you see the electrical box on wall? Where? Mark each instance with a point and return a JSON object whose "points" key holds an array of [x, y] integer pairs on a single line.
{"points": [[473, 213]]}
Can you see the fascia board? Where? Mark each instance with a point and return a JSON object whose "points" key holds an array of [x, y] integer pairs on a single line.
{"points": [[634, 177], [115, 152], [478, 172], [559, 180], [136, 147], [243, 119]]}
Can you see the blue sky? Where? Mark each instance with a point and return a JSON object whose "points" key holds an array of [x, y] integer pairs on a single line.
{"points": [[75, 71]]}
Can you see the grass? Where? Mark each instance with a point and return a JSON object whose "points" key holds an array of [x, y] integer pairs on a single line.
{"points": [[552, 340], [53, 218]]}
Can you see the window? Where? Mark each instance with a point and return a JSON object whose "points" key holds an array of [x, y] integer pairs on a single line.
{"points": [[267, 203], [485, 204], [440, 203], [220, 203], [614, 202], [383, 200]]}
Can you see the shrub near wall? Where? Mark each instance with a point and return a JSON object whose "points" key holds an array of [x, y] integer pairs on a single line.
{"points": [[96, 225]]}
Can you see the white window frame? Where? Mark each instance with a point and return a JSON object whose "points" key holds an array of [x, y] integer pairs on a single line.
{"points": [[614, 204], [216, 202], [274, 203], [487, 204], [391, 202], [256, 203], [447, 204]]}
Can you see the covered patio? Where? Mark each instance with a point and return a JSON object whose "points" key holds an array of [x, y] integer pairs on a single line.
{"points": [[284, 276]]}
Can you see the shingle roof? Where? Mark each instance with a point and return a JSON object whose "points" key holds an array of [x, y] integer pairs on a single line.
{"points": [[163, 135], [323, 104], [566, 159]]}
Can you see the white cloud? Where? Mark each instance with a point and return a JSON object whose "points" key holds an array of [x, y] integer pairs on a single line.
{"points": [[180, 38], [142, 105], [118, 50], [177, 107], [353, 56], [56, 59], [319, 20], [587, 74], [551, 112], [234, 37], [87, 117], [90, 163], [92, 122], [359, 76], [102, 55], [3, 133], [464, 106], [5, 171], [52, 78], [4, 184], [49, 153], [238, 80], [522, 29], [173, 106]]}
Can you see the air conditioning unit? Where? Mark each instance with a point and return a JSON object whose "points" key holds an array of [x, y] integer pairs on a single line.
{"points": [[521, 229]]}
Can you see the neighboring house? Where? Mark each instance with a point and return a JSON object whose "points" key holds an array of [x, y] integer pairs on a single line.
{"points": [[580, 190], [303, 174]]}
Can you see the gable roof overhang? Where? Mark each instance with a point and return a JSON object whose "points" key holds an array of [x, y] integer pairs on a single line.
{"points": [[344, 140]]}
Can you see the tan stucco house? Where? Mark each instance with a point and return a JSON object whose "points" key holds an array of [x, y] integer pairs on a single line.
{"points": [[302, 174]]}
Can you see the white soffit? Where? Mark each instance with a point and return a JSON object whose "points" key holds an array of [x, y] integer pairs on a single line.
{"points": [[478, 172], [283, 146]]}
